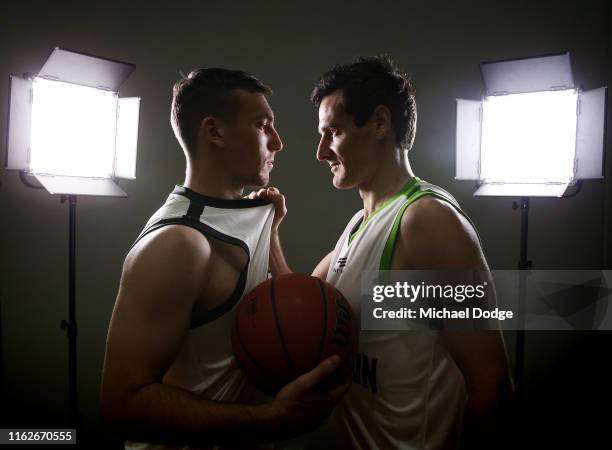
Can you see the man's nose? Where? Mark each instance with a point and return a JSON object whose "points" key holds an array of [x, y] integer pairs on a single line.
{"points": [[275, 144], [323, 151]]}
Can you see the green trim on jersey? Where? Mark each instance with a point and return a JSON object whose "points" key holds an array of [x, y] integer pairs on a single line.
{"points": [[385, 260], [407, 190]]}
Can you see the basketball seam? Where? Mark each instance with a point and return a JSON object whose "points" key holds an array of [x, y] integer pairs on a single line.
{"points": [[248, 354], [279, 330], [324, 336]]}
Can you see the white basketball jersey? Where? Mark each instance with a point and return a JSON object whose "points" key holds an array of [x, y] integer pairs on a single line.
{"points": [[206, 365], [407, 392]]}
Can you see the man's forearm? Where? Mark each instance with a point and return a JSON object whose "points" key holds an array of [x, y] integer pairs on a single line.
{"points": [[162, 413], [487, 412], [278, 263]]}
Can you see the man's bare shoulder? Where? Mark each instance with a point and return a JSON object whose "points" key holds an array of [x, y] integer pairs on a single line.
{"points": [[434, 234], [171, 240], [433, 216], [168, 254], [427, 211]]}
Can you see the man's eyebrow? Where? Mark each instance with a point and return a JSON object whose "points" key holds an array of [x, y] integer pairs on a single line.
{"points": [[268, 116], [327, 126]]}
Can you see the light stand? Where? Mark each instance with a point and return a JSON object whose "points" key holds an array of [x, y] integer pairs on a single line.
{"points": [[523, 266], [70, 105], [70, 326], [535, 133]]}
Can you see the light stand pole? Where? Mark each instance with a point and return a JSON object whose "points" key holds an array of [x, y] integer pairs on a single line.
{"points": [[71, 325], [558, 122], [523, 266], [73, 88]]}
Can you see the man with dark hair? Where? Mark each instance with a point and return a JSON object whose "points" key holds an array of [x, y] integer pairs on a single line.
{"points": [[169, 374], [368, 84], [208, 92], [417, 389]]}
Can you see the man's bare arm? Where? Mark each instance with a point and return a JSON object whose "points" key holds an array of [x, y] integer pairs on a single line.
{"points": [[323, 267], [434, 236], [162, 278], [278, 263]]}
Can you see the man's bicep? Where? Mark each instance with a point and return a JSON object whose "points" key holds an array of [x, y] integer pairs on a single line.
{"points": [[143, 338], [152, 314], [323, 267]]}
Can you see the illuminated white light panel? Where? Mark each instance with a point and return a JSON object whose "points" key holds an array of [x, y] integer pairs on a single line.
{"points": [[73, 129], [529, 138]]}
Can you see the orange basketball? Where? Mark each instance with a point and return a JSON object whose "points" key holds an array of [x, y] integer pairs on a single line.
{"points": [[287, 325]]}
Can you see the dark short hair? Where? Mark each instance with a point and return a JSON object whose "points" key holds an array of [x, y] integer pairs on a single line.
{"points": [[208, 92], [368, 83]]}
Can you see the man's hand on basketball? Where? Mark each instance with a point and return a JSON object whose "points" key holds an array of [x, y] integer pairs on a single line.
{"points": [[272, 194], [305, 403]]}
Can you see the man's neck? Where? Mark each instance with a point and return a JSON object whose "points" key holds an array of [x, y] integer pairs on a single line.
{"points": [[387, 182], [212, 184]]}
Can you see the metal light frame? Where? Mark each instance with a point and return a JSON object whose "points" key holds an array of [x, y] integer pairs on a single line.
{"points": [[92, 72]]}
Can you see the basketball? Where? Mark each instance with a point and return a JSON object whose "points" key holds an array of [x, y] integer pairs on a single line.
{"points": [[287, 325]]}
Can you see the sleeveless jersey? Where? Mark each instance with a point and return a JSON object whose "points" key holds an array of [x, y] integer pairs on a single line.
{"points": [[407, 392], [205, 364]]}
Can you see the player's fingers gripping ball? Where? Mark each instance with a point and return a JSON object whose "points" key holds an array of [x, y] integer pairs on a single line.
{"points": [[287, 325]]}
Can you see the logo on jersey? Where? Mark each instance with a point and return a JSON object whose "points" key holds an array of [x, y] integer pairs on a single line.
{"points": [[342, 330], [364, 372], [340, 264]]}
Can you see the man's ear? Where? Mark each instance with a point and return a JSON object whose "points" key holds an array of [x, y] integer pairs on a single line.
{"points": [[212, 130], [382, 121]]}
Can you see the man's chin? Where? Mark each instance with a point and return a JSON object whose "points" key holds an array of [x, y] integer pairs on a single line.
{"points": [[258, 183], [341, 183]]}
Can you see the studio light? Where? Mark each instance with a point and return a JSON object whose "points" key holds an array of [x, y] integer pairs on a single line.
{"points": [[529, 138], [69, 129], [534, 134], [61, 132]]}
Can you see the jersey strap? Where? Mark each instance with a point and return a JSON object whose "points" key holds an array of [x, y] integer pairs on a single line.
{"points": [[407, 190], [422, 189]]}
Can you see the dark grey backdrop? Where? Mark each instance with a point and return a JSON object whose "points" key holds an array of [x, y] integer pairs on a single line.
{"points": [[440, 43]]}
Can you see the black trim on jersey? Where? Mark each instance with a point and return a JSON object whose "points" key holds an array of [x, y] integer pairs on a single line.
{"points": [[228, 304], [280, 331], [356, 227], [195, 211], [194, 223], [205, 200], [206, 230]]}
